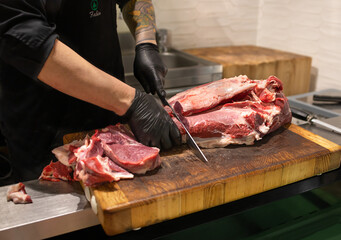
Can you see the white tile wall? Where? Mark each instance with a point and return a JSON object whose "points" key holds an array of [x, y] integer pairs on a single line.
{"points": [[308, 27], [205, 23]]}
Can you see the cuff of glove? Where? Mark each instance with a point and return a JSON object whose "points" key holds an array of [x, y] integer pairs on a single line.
{"points": [[125, 118], [146, 46]]}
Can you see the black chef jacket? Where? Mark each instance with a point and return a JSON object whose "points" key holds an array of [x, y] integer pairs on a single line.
{"points": [[34, 116]]}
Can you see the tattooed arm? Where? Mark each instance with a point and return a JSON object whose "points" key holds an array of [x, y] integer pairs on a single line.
{"points": [[140, 18], [148, 66]]}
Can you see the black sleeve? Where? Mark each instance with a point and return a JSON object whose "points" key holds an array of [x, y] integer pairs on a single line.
{"points": [[121, 3], [26, 36]]}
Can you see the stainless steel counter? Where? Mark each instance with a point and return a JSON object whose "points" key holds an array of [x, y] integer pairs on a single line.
{"points": [[57, 208]]}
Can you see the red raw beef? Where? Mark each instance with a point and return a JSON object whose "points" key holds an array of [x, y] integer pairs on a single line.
{"points": [[56, 171], [242, 119], [17, 194], [209, 95], [120, 145]]}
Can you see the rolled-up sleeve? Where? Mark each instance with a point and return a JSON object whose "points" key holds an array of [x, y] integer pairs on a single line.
{"points": [[26, 36]]}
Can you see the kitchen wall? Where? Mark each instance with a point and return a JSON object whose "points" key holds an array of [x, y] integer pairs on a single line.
{"points": [[308, 27], [205, 23]]}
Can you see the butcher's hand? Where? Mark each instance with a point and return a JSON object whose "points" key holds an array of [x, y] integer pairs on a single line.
{"points": [[149, 68], [150, 123]]}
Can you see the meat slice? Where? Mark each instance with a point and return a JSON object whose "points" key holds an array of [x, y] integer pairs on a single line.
{"points": [[135, 158], [56, 171], [17, 194], [209, 95], [261, 111], [96, 170], [119, 145]]}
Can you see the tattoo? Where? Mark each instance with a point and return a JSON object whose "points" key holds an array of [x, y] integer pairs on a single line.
{"points": [[140, 18]]}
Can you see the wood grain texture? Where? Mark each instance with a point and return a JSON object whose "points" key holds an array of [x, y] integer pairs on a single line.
{"points": [[183, 184], [260, 63]]}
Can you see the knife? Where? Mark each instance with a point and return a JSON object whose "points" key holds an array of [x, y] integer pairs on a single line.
{"points": [[300, 114], [189, 139]]}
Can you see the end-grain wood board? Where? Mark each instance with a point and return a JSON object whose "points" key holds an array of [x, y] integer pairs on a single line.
{"points": [[184, 184]]}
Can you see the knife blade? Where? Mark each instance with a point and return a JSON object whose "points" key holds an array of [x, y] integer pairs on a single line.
{"points": [[189, 139], [300, 114]]}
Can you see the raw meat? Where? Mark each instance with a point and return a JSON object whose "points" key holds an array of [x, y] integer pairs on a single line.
{"points": [[106, 156], [120, 146], [209, 95], [17, 194], [95, 170], [91, 148], [91, 168], [56, 171], [242, 119], [65, 153]]}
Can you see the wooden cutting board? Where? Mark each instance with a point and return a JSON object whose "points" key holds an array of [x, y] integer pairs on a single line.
{"points": [[183, 184], [259, 63]]}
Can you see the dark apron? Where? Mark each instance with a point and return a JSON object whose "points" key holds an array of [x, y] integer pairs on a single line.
{"points": [[35, 116]]}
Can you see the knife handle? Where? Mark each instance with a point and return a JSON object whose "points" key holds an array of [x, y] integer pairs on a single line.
{"points": [[299, 114], [164, 101], [326, 98]]}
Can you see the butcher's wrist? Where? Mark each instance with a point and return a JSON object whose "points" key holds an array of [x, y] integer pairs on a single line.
{"points": [[146, 37], [127, 115], [126, 102], [146, 41]]}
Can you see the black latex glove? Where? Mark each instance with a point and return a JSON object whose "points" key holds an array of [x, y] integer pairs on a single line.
{"points": [[150, 123], [149, 69]]}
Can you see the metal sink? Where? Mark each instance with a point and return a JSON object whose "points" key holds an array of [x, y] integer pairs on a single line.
{"points": [[184, 71], [171, 59]]}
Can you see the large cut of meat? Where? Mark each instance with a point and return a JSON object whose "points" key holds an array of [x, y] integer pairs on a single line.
{"points": [[109, 155], [17, 194], [243, 111]]}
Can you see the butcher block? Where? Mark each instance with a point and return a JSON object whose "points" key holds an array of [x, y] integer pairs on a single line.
{"points": [[259, 63], [184, 184]]}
